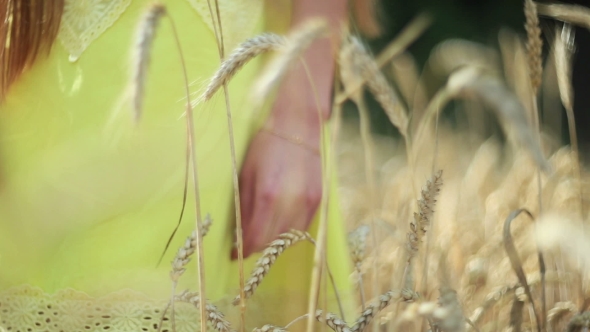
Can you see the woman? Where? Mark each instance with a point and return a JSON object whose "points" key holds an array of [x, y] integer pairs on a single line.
{"points": [[88, 199]]}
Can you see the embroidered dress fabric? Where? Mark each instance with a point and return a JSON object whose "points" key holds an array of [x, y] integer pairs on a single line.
{"points": [[88, 198]]}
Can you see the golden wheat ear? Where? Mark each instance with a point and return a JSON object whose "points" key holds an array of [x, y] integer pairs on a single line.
{"points": [[268, 258], [559, 312], [332, 320], [358, 66], [489, 301], [296, 43], [384, 300], [187, 250], [421, 222], [357, 241], [245, 52], [534, 45]]}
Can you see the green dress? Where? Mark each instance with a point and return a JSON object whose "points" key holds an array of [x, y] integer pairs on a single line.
{"points": [[88, 198]]}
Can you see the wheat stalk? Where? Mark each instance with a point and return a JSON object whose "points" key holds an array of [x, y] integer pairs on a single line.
{"points": [[214, 316], [268, 258], [218, 30], [141, 58], [144, 42], [574, 14], [245, 52]]}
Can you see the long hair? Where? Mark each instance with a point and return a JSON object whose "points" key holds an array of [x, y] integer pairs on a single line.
{"points": [[28, 28]]}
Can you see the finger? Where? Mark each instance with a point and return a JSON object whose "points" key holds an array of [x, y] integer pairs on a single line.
{"points": [[255, 232]]}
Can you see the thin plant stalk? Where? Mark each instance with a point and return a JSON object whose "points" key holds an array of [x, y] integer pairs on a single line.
{"points": [[320, 250], [563, 64], [296, 320], [361, 290], [430, 235], [191, 137], [184, 198], [239, 235], [368, 144]]}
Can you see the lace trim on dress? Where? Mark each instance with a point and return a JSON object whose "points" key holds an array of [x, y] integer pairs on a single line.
{"points": [[85, 20], [28, 309], [238, 17]]}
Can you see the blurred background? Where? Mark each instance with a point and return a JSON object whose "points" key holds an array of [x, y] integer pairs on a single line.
{"points": [[478, 21]]}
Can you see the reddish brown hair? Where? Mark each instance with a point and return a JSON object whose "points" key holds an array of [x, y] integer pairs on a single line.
{"points": [[28, 28]]}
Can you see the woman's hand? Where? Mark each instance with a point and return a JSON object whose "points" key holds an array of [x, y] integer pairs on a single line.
{"points": [[280, 180], [281, 189]]}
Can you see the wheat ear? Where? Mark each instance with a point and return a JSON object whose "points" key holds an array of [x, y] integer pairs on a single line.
{"points": [[245, 52], [560, 310], [268, 258], [377, 83], [534, 44], [141, 58], [296, 43], [384, 300], [490, 300], [214, 316], [332, 320], [269, 328], [420, 223], [188, 249], [357, 241]]}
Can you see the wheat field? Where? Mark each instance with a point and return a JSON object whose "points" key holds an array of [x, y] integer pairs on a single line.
{"points": [[453, 226]]}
